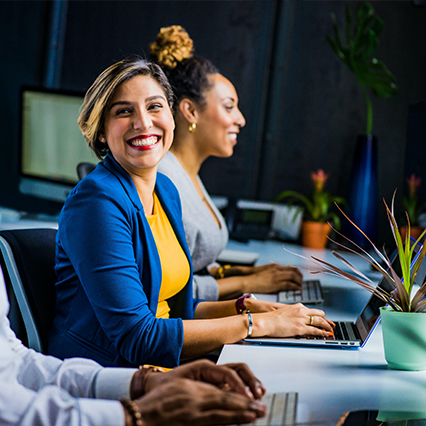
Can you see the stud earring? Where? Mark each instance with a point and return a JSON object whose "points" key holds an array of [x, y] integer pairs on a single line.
{"points": [[192, 127]]}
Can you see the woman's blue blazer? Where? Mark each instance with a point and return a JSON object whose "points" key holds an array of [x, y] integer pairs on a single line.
{"points": [[109, 275]]}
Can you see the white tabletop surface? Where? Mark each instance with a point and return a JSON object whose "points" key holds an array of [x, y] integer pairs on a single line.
{"points": [[13, 219], [329, 381]]}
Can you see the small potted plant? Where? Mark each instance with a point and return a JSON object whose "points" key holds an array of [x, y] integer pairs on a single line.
{"points": [[318, 210], [413, 208], [403, 319]]}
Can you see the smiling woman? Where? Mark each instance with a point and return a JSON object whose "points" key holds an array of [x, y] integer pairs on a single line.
{"points": [[138, 130], [208, 121], [124, 290]]}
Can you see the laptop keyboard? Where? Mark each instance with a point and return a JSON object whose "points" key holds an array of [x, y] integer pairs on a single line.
{"points": [[341, 331], [346, 331], [311, 293], [281, 409]]}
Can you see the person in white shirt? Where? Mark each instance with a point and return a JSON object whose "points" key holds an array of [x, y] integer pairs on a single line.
{"points": [[42, 390]]}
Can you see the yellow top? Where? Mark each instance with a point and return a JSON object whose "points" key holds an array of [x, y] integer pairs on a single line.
{"points": [[174, 263]]}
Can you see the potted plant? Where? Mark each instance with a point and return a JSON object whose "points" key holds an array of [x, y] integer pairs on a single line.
{"points": [[318, 210], [413, 208], [403, 319], [357, 51]]}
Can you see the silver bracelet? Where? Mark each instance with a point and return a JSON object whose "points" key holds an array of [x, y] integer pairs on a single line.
{"points": [[250, 328]]}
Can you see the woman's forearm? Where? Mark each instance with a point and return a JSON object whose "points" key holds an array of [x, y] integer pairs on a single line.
{"points": [[203, 336], [231, 287], [208, 310]]}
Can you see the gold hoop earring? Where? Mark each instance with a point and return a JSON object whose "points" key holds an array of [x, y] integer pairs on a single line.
{"points": [[192, 127]]}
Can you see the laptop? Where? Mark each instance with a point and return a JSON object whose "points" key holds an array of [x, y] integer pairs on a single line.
{"points": [[347, 334], [309, 294]]}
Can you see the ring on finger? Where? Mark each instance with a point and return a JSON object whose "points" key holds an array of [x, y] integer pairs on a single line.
{"points": [[311, 320]]}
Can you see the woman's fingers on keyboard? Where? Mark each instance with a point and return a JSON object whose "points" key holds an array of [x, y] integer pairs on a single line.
{"points": [[317, 319], [321, 323]]}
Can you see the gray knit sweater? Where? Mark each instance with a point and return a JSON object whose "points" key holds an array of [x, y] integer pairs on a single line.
{"points": [[205, 239]]}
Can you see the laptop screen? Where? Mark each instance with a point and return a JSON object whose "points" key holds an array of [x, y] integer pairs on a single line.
{"points": [[369, 315]]}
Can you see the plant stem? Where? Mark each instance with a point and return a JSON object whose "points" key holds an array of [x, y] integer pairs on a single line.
{"points": [[369, 110]]}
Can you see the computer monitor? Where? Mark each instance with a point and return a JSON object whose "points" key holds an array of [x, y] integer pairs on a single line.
{"points": [[51, 143]]}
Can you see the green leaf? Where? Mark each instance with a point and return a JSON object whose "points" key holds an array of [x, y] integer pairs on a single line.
{"points": [[378, 26], [292, 196], [366, 51], [362, 40]]}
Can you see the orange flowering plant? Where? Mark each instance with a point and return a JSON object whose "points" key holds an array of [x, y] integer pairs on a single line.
{"points": [[319, 207], [411, 203]]}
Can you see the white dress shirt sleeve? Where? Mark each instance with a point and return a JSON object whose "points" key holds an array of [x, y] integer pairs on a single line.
{"points": [[42, 390]]}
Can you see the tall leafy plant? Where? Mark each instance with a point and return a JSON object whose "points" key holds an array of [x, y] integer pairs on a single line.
{"points": [[362, 33]]}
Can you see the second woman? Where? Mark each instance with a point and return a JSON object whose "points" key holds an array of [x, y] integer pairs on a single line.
{"points": [[208, 122]]}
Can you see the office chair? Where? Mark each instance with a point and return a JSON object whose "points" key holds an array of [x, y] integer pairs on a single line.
{"points": [[28, 261], [83, 169]]}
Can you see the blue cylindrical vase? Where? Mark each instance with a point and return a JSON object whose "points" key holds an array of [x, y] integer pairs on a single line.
{"points": [[363, 191]]}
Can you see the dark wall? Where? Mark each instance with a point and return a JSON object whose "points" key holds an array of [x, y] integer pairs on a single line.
{"points": [[235, 35], [323, 109], [303, 108], [22, 54]]}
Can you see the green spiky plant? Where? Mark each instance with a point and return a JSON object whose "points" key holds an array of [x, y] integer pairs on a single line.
{"points": [[362, 39], [318, 207], [400, 299]]}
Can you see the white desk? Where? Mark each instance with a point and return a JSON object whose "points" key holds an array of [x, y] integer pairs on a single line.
{"points": [[25, 224], [12, 219], [330, 381], [275, 251]]}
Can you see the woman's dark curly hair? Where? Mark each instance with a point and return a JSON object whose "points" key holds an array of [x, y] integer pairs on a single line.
{"points": [[187, 73]]}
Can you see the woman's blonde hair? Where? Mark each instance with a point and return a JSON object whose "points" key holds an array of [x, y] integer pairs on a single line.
{"points": [[92, 115]]}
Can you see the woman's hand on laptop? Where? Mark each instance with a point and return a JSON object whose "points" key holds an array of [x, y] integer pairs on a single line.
{"points": [[271, 278], [292, 320]]}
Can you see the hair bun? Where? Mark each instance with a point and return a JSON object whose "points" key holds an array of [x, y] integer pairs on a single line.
{"points": [[172, 45]]}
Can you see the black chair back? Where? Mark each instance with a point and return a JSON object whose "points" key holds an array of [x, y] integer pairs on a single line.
{"points": [[83, 169], [34, 255]]}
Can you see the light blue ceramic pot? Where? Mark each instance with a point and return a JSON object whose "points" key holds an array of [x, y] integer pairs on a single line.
{"points": [[404, 339]]}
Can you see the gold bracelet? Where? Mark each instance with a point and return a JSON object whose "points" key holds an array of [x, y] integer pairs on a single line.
{"points": [[133, 410], [219, 273]]}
